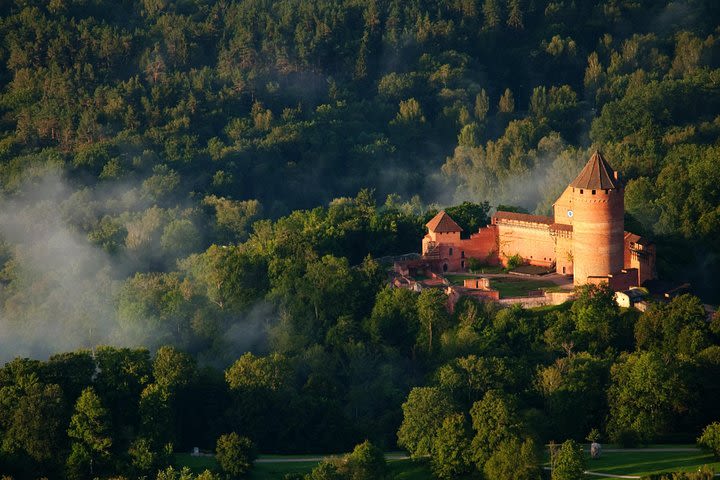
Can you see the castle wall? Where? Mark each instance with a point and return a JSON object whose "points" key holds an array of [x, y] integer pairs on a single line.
{"points": [[622, 280], [532, 241], [483, 245], [453, 252], [564, 253]]}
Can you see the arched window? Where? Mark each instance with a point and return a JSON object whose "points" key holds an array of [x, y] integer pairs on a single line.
{"points": [[444, 267]]}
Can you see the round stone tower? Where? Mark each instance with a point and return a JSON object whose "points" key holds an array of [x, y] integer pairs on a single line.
{"points": [[598, 210]]}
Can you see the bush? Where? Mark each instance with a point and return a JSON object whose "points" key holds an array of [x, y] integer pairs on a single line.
{"points": [[235, 454], [710, 439], [705, 473], [569, 462], [474, 264], [367, 462], [515, 261]]}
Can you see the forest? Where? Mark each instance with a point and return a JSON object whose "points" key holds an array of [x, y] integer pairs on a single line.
{"points": [[198, 200]]}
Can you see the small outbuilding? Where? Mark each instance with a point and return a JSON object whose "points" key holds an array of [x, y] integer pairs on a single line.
{"points": [[629, 298]]}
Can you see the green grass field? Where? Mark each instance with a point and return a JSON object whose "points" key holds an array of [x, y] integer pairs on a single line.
{"points": [[196, 464], [398, 469], [637, 462], [643, 463], [490, 269], [518, 287]]}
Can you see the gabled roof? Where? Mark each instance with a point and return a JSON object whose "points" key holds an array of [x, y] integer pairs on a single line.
{"points": [[633, 238], [596, 175], [523, 217], [442, 223]]}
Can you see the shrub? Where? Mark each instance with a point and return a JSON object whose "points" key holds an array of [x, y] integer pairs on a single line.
{"points": [[474, 264], [710, 439], [366, 462], [515, 261], [235, 454], [569, 462]]}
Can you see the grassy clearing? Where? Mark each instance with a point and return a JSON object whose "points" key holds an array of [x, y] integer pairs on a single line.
{"points": [[406, 469], [489, 269], [518, 287], [644, 463], [532, 270], [276, 471], [196, 464], [398, 469]]}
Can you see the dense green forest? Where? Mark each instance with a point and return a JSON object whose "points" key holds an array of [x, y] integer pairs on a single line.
{"points": [[192, 180]]}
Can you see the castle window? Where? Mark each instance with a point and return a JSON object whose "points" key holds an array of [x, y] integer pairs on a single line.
{"points": [[462, 264], [607, 191], [444, 267], [593, 192], [581, 191], [450, 252], [462, 254]]}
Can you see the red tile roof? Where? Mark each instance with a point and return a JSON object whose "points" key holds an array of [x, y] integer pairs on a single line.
{"points": [[523, 217], [442, 223], [633, 238], [561, 226], [596, 175]]}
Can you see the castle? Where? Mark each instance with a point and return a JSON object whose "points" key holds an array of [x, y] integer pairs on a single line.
{"points": [[584, 238]]}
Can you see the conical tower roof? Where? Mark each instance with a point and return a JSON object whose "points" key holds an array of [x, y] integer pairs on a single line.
{"points": [[596, 175], [443, 223]]}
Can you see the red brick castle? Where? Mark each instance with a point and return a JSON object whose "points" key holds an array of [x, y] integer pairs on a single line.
{"points": [[585, 238]]}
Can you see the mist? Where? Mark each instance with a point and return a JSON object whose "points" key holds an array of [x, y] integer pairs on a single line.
{"points": [[62, 298]]}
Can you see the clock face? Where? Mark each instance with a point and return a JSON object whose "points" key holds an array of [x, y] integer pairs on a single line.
{"points": [[570, 213]]}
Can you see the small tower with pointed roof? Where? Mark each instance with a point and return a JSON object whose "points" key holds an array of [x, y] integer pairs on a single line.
{"points": [[597, 212], [442, 241]]}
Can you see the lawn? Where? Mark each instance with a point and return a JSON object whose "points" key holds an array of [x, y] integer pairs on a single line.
{"points": [[637, 462], [398, 469], [489, 269], [644, 463], [276, 471], [518, 287], [532, 270], [196, 464]]}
